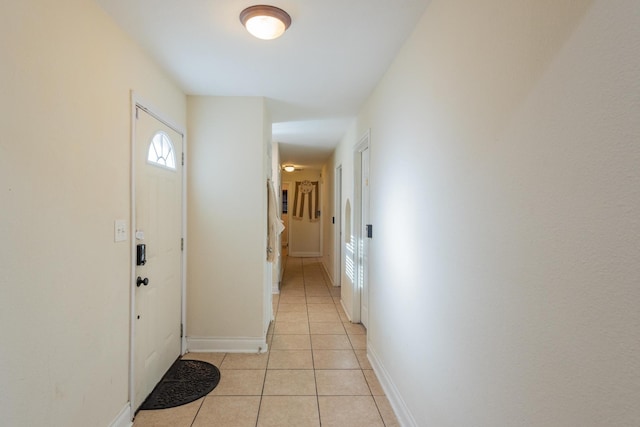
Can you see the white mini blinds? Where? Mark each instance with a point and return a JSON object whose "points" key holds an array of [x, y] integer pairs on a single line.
{"points": [[161, 152]]}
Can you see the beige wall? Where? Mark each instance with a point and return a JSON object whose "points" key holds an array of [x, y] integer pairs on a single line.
{"points": [[65, 83], [504, 169], [227, 211]]}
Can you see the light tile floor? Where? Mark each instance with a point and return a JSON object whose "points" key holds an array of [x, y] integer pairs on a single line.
{"points": [[316, 371]]}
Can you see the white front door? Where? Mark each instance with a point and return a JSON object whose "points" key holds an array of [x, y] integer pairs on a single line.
{"points": [[158, 226]]}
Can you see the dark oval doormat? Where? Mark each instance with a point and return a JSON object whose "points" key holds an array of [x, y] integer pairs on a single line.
{"points": [[184, 382]]}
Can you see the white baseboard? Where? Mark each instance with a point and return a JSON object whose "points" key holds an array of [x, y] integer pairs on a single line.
{"points": [[345, 309], [226, 345], [395, 399], [326, 270], [124, 417], [305, 254]]}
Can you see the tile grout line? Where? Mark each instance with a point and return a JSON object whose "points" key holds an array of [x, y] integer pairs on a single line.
{"points": [[269, 349], [379, 411], [198, 411], [313, 361], [206, 396]]}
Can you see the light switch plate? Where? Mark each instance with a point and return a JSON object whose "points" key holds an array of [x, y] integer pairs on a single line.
{"points": [[120, 230]]}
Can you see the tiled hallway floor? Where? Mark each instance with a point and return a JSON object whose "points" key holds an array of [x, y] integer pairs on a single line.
{"points": [[315, 373]]}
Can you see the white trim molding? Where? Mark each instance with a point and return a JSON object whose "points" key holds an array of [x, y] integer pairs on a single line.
{"points": [[395, 399], [226, 345], [123, 419], [346, 312], [328, 275]]}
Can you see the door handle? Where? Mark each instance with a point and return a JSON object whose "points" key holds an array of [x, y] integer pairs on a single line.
{"points": [[141, 281]]}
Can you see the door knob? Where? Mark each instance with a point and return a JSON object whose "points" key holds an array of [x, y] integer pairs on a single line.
{"points": [[141, 281]]}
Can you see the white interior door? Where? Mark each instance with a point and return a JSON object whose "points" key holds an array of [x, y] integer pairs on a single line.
{"points": [[339, 263], [364, 264], [158, 225], [305, 224]]}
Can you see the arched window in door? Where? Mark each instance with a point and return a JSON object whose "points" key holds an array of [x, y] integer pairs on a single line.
{"points": [[161, 152]]}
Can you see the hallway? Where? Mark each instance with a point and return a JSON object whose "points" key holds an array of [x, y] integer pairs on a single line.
{"points": [[315, 373]]}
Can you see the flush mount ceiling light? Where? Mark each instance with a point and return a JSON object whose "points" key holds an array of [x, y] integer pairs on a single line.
{"points": [[265, 22], [289, 168]]}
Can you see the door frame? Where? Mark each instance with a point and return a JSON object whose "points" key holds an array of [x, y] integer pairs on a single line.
{"points": [[339, 241], [287, 226], [364, 143], [139, 102], [289, 204]]}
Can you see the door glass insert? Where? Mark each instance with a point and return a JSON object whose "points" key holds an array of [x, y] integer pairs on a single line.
{"points": [[161, 152]]}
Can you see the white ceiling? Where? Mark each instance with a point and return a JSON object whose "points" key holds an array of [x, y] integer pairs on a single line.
{"points": [[315, 77]]}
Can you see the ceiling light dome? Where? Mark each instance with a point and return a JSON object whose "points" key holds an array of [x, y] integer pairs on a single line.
{"points": [[265, 22]]}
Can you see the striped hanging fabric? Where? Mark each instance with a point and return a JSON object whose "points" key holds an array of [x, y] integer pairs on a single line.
{"points": [[306, 197]]}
